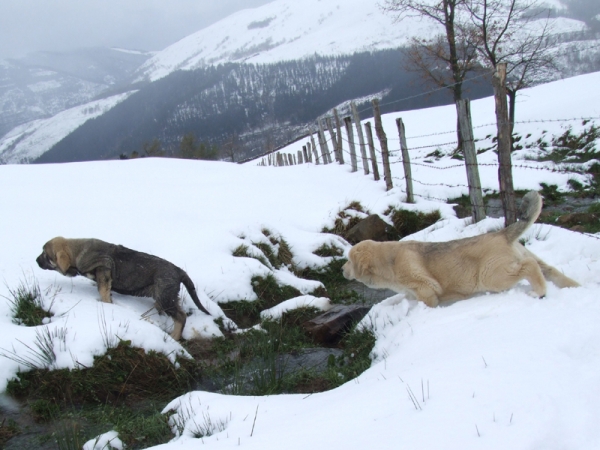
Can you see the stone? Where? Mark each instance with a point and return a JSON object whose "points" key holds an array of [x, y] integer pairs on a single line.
{"points": [[577, 219], [372, 227], [330, 326]]}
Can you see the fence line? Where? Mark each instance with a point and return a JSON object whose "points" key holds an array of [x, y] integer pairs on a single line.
{"points": [[401, 155]]}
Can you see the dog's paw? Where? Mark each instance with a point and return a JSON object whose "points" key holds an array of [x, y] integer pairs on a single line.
{"points": [[535, 294]]}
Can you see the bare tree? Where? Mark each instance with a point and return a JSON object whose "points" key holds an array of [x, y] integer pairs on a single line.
{"points": [[518, 33], [446, 58], [232, 147]]}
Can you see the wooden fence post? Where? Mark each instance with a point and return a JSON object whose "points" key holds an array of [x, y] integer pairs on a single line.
{"points": [[385, 155], [338, 127], [300, 160], [323, 143], [361, 138], [405, 161], [333, 138], [305, 154], [372, 151], [314, 147], [468, 146], [507, 192], [350, 133]]}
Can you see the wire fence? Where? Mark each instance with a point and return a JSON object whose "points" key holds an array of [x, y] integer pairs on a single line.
{"points": [[335, 146]]}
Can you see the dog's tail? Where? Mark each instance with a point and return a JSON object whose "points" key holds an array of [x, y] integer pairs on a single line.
{"points": [[189, 285], [531, 207]]}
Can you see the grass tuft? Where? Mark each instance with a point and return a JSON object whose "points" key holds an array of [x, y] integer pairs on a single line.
{"points": [[408, 222], [269, 292], [27, 304], [121, 375], [8, 430], [329, 250], [345, 219]]}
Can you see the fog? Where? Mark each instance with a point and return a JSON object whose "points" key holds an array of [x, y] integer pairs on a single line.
{"points": [[60, 25]]}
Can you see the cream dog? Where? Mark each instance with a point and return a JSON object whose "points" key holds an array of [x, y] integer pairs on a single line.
{"points": [[439, 271]]}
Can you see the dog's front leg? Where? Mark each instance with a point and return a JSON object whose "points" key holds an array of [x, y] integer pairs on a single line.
{"points": [[104, 281], [427, 295]]}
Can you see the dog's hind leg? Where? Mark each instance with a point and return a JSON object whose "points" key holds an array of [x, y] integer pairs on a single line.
{"points": [[167, 301], [530, 270], [554, 275], [104, 281]]}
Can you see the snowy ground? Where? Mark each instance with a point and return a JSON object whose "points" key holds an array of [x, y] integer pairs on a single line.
{"points": [[498, 371]]}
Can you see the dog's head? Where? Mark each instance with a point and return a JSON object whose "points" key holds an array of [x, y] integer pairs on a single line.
{"points": [[359, 264], [57, 255]]}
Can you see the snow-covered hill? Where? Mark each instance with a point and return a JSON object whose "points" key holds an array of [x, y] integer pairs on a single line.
{"points": [[42, 84], [499, 371], [27, 142], [289, 29]]}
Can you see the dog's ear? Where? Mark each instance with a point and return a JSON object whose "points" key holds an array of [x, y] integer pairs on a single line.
{"points": [[63, 261], [362, 262]]}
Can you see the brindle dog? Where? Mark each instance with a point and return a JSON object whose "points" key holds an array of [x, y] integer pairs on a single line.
{"points": [[124, 271]]}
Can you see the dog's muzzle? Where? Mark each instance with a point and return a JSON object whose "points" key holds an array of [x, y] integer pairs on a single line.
{"points": [[44, 262]]}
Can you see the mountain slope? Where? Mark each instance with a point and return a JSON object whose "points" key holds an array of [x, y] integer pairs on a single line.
{"points": [[289, 29], [285, 30], [29, 141], [261, 106], [43, 84]]}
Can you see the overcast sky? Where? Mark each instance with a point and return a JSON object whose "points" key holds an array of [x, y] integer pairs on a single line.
{"points": [[31, 25]]}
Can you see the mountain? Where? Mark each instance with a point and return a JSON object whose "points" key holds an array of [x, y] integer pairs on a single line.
{"points": [[29, 141], [288, 29], [257, 80], [43, 84], [257, 106]]}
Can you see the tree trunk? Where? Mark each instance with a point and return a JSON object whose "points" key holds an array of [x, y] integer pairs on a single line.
{"points": [[512, 98]]}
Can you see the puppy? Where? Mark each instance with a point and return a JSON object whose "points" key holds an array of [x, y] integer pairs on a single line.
{"points": [[439, 271], [122, 270]]}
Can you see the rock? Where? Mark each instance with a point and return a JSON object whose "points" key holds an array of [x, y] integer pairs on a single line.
{"points": [[373, 227], [331, 325], [577, 219], [578, 228]]}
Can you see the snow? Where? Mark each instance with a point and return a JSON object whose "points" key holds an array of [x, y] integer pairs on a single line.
{"points": [[285, 30], [304, 301], [495, 371], [29, 141], [105, 441]]}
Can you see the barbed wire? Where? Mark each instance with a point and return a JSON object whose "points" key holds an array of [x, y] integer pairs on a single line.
{"points": [[486, 73]]}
